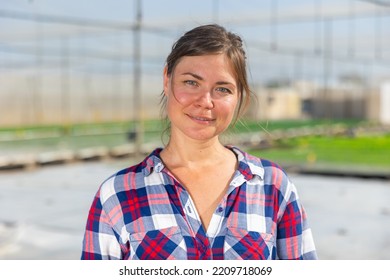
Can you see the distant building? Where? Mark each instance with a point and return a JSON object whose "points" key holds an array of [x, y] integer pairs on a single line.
{"points": [[275, 104], [384, 106], [307, 100]]}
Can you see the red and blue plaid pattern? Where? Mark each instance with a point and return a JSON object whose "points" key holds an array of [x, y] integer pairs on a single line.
{"points": [[143, 212]]}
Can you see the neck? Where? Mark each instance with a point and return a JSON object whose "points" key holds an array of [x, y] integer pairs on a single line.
{"points": [[190, 152]]}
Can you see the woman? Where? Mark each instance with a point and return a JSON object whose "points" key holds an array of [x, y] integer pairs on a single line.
{"points": [[196, 198]]}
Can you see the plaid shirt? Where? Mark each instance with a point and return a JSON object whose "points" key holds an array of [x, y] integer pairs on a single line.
{"points": [[143, 212]]}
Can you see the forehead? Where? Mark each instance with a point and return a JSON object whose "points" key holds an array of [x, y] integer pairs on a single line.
{"points": [[216, 65]]}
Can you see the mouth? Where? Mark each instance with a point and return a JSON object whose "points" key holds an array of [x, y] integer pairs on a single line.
{"points": [[201, 119]]}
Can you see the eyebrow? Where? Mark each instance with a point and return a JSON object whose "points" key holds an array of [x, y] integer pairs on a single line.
{"points": [[201, 79], [193, 75]]}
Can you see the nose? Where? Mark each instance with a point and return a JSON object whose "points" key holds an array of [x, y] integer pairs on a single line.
{"points": [[205, 100]]}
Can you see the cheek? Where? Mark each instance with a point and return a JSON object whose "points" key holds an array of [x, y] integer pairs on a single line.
{"points": [[182, 98], [173, 106], [175, 101], [183, 95], [229, 106], [226, 112]]}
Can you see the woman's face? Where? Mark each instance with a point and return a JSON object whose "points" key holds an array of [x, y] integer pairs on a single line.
{"points": [[202, 96]]}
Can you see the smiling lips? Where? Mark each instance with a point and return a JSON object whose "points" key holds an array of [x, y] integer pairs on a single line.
{"points": [[201, 119]]}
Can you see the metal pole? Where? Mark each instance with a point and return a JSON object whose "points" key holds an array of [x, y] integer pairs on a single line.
{"points": [[351, 41], [274, 25], [318, 27], [37, 86], [137, 94], [327, 64], [378, 35], [65, 92]]}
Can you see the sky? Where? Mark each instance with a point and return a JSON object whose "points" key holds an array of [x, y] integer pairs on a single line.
{"points": [[55, 46], [278, 33]]}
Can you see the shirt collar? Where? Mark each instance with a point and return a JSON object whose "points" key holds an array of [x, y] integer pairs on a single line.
{"points": [[248, 165], [152, 163]]}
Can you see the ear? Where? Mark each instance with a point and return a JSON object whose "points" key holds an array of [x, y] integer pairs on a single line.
{"points": [[166, 80]]}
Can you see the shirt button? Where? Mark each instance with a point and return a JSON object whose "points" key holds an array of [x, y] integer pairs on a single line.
{"points": [[220, 209]]}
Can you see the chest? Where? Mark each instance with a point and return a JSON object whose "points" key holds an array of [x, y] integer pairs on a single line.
{"points": [[206, 189], [227, 229]]}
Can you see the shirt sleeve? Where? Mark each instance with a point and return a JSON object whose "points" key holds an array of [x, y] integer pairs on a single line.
{"points": [[294, 237], [101, 242]]}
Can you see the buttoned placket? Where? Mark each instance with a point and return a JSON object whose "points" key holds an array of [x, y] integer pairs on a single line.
{"points": [[194, 223], [191, 214], [191, 217], [217, 219]]}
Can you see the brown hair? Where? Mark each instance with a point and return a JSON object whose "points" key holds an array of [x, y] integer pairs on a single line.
{"points": [[213, 39]]}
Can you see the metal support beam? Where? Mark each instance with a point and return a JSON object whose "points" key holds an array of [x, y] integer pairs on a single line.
{"points": [[137, 92]]}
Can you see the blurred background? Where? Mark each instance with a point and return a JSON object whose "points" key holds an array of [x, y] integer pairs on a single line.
{"points": [[80, 85]]}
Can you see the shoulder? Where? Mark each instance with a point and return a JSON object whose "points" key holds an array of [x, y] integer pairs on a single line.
{"points": [[273, 171], [257, 164], [270, 172], [128, 179]]}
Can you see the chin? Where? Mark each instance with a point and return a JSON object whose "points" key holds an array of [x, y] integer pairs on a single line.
{"points": [[202, 135]]}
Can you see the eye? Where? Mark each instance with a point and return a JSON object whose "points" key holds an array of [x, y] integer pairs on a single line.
{"points": [[191, 83], [224, 90]]}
